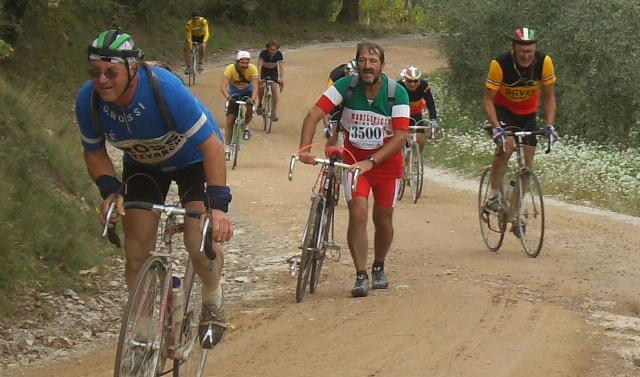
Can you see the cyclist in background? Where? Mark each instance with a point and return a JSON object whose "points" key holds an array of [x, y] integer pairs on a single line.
{"points": [[118, 104], [343, 70], [376, 120], [197, 31], [512, 97], [240, 79], [271, 67], [419, 97]]}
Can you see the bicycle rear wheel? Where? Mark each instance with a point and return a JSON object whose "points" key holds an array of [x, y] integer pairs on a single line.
{"points": [[417, 172], [530, 210], [136, 353], [192, 360], [492, 225], [309, 246], [405, 175]]}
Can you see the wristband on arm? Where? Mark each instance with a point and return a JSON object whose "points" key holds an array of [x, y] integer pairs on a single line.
{"points": [[108, 184], [218, 197]]}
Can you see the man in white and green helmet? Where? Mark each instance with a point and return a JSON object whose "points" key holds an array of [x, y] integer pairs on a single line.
{"points": [[166, 135], [375, 121]]}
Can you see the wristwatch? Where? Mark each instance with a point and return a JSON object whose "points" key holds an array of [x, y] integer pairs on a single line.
{"points": [[373, 160]]}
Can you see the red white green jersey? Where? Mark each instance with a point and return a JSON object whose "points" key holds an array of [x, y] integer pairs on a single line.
{"points": [[368, 123]]}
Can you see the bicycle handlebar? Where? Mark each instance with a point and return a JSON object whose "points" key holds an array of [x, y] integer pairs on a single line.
{"points": [[206, 234], [327, 161]]}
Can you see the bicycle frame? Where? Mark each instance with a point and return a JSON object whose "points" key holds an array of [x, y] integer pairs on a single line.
{"points": [[238, 127], [166, 325]]}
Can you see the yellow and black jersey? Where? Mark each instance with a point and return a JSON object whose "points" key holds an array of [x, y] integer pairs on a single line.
{"points": [[519, 88], [198, 28]]}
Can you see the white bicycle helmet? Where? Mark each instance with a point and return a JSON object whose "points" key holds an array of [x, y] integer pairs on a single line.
{"points": [[412, 73]]}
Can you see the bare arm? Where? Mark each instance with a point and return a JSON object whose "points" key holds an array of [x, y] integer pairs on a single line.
{"points": [[549, 104], [259, 67], [389, 148], [308, 131], [254, 83], [216, 175], [490, 107], [215, 170], [224, 87], [99, 163]]}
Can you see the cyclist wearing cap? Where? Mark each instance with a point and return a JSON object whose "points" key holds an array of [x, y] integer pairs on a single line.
{"points": [[511, 98], [198, 32], [376, 120], [240, 79], [419, 97], [118, 105], [270, 66]]}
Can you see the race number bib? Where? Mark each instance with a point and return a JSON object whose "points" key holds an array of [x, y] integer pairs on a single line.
{"points": [[366, 137]]}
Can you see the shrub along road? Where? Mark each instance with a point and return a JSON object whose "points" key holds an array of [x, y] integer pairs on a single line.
{"points": [[453, 308]]}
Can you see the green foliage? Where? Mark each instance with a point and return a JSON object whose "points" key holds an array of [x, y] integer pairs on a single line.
{"points": [[588, 40], [47, 231]]}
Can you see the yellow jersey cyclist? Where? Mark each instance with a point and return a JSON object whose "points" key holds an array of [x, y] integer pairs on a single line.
{"points": [[514, 86], [197, 32], [240, 79], [271, 67], [419, 97]]}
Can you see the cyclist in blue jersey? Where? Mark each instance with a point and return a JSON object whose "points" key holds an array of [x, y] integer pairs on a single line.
{"points": [[270, 67], [119, 104]]}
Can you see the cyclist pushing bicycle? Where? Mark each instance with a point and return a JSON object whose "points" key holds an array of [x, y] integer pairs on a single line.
{"points": [[197, 32], [167, 135], [512, 96], [240, 79], [419, 97], [376, 120]]}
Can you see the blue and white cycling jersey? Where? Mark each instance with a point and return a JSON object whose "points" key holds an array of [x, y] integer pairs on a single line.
{"points": [[139, 129]]}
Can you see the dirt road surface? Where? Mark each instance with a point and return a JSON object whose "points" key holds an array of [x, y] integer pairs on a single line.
{"points": [[452, 309]]}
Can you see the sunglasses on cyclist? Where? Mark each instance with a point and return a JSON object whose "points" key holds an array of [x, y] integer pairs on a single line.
{"points": [[110, 73], [412, 81]]}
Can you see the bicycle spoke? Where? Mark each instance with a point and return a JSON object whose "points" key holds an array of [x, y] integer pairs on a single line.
{"points": [[530, 227], [191, 358], [492, 224], [309, 246], [137, 354]]}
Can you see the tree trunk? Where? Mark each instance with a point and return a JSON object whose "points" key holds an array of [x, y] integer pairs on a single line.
{"points": [[350, 12], [408, 6]]}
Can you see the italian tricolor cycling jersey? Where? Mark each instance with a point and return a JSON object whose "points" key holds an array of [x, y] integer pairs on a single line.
{"points": [[519, 88], [369, 124]]}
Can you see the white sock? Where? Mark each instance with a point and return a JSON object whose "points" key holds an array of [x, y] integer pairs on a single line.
{"points": [[212, 296]]}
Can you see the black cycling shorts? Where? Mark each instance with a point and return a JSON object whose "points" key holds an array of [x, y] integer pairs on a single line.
{"points": [[232, 106], [140, 186], [526, 122], [199, 39]]}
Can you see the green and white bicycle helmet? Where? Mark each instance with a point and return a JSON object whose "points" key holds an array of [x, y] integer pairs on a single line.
{"points": [[524, 36], [352, 67], [114, 46]]}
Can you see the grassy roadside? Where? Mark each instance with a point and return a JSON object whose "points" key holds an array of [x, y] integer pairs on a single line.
{"points": [[579, 172]]}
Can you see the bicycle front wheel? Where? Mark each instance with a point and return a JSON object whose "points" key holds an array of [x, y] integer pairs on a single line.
{"points": [[319, 255], [417, 172], [530, 210], [492, 224], [138, 352], [194, 66], [267, 113], [235, 142], [191, 360], [309, 246]]}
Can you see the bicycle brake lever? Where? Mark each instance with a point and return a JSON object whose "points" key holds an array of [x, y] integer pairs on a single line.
{"points": [[206, 245], [112, 207], [112, 236], [292, 164], [356, 176]]}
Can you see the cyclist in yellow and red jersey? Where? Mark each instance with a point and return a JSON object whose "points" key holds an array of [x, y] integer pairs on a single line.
{"points": [[197, 32], [419, 97], [514, 86]]}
